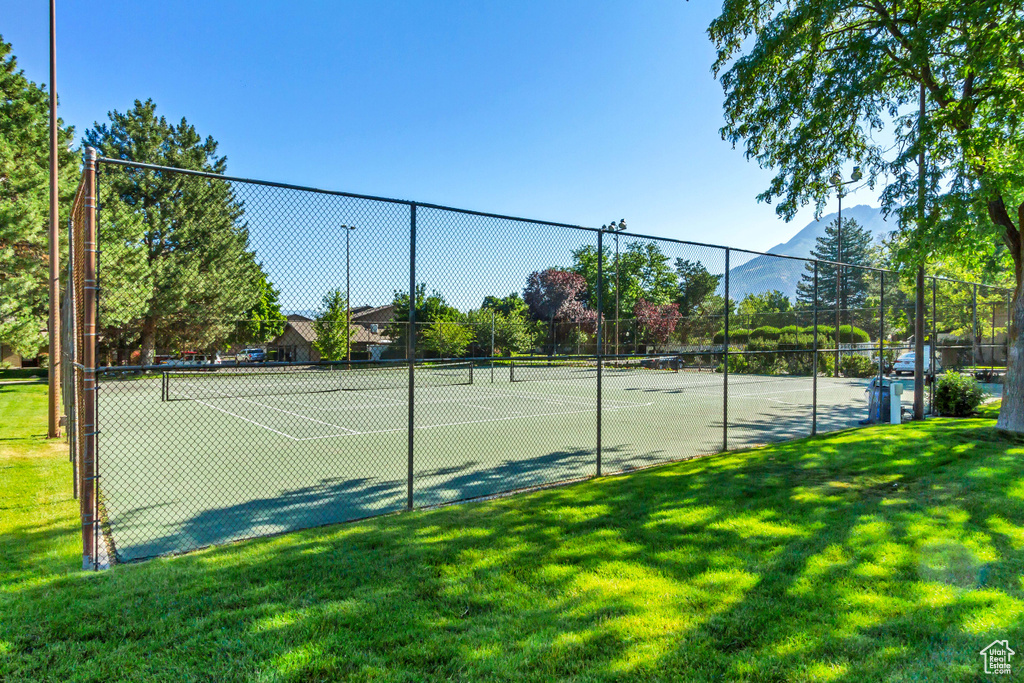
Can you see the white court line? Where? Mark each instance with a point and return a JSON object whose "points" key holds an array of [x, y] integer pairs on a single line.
{"points": [[301, 416], [454, 424], [287, 436], [476, 397], [476, 406], [768, 393]]}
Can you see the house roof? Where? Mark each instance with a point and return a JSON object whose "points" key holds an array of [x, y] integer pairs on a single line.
{"points": [[362, 332], [373, 314]]}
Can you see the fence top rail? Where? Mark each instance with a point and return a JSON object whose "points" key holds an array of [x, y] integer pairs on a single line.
{"points": [[940, 278], [485, 214], [336, 193]]}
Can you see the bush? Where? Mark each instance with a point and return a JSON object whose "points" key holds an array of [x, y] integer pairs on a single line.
{"points": [[855, 335], [767, 332], [858, 366], [957, 395], [826, 334]]}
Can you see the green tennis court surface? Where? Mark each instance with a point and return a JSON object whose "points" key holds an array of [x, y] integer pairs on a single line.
{"points": [[220, 461]]}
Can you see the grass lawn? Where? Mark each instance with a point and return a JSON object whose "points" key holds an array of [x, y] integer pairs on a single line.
{"points": [[876, 554]]}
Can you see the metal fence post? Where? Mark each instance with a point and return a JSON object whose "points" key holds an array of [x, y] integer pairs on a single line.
{"points": [[931, 347], [881, 324], [492, 347], [411, 346], [725, 362], [814, 361], [919, 345], [87, 486], [600, 330], [974, 329]]}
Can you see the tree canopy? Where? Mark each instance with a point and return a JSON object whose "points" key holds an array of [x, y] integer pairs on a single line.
{"points": [[177, 269], [264, 320], [643, 271], [24, 204], [811, 85]]}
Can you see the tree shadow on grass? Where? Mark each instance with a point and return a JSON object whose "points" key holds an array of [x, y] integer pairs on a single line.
{"points": [[853, 557]]}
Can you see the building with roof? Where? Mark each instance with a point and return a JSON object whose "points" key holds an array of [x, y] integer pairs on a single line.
{"points": [[296, 343]]}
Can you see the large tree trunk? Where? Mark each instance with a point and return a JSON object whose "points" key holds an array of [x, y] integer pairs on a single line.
{"points": [[148, 341], [1011, 412]]}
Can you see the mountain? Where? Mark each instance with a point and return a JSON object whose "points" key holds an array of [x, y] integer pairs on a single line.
{"points": [[764, 273]]}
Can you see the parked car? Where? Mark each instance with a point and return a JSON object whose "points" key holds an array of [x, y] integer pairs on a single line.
{"points": [[252, 355], [905, 364]]}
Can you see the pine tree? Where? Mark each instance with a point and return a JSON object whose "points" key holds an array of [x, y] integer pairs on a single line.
{"points": [[176, 270], [24, 204], [858, 250]]}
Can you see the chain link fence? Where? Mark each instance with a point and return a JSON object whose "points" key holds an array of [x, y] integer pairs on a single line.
{"points": [[259, 358]]}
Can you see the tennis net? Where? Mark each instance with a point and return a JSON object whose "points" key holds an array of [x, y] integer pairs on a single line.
{"points": [[538, 369], [230, 382]]}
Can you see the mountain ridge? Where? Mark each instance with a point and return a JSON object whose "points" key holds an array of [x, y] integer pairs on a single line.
{"points": [[764, 273]]}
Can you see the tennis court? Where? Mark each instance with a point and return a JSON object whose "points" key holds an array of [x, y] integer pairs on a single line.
{"points": [[194, 459]]}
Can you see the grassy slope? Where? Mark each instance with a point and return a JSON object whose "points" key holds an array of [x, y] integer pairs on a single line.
{"points": [[881, 553]]}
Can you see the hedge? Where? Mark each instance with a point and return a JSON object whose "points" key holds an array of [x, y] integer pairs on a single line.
{"points": [[826, 334]]}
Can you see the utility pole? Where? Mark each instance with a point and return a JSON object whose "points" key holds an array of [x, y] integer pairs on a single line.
{"points": [[53, 430]]}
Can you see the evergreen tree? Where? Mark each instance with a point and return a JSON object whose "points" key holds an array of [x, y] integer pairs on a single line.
{"points": [[177, 269], [24, 204], [701, 309], [855, 285]]}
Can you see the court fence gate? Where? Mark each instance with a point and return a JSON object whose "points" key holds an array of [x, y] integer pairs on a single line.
{"points": [[338, 356]]}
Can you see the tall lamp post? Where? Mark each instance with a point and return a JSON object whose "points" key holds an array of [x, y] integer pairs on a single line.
{"points": [[53, 327], [615, 228], [837, 181], [348, 293]]}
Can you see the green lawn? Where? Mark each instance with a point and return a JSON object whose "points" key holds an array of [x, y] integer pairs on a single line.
{"points": [[876, 554]]}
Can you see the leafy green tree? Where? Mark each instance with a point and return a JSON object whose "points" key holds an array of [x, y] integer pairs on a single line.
{"points": [[702, 310], [264, 320], [332, 332], [513, 303], [24, 204], [855, 285], [811, 84], [429, 308], [514, 333], [643, 272], [448, 337], [177, 269], [768, 308]]}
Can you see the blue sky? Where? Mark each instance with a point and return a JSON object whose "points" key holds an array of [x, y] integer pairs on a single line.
{"points": [[568, 111]]}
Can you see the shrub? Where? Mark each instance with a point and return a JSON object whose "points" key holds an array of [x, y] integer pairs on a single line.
{"points": [[855, 335], [957, 395], [858, 366], [766, 332]]}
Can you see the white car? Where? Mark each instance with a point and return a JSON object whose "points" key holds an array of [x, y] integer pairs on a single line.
{"points": [[905, 364]]}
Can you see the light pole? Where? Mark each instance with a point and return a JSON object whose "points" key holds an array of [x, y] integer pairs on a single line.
{"points": [[615, 228], [348, 293], [837, 180], [53, 326]]}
